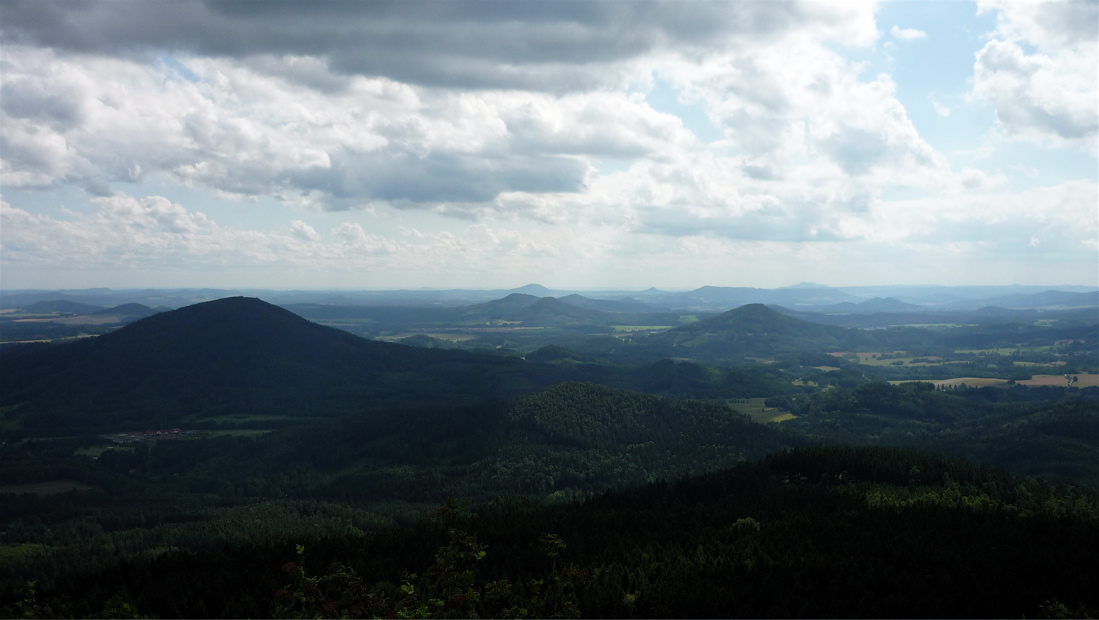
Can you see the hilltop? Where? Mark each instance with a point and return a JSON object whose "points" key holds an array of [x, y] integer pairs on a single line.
{"points": [[238, 355], [750, 330]]}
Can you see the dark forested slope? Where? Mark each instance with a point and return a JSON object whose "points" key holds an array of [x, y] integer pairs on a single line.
{"points": [[239, 355], [818, 532]]}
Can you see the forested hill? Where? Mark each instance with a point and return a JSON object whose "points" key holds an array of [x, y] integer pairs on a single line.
{"points": [[756, 330], [240, 355], [531, 311], [816, 532]]}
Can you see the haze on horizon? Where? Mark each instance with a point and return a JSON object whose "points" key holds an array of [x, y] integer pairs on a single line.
{"points": [[576, 144]]}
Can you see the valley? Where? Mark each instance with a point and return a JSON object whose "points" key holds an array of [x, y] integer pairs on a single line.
{"points": [[219, 435]]}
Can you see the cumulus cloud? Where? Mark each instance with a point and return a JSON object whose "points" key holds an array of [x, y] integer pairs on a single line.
{"points": [[511, 137], [287, 108], [246, 134], [804, 102], [1001, 220], [303, 231], [1049, 95]]}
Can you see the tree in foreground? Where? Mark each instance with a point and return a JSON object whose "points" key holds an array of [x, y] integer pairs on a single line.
{"points": [[451, 587]]}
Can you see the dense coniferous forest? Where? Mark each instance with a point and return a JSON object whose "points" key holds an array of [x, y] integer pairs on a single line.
{"points": [[576, 459]]}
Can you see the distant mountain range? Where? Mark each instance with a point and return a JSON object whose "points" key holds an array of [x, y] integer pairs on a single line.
{"points": [[871, 306], [806, 297]]}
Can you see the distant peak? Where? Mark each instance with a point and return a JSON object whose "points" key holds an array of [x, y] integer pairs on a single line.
{"points": [[804, 285], [532, 289], [233, 305], [751, 308]]}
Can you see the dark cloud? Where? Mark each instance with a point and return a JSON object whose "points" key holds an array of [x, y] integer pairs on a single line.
{"points": [[34, 100], [551, 46], [1069, 22], [437, 177]]}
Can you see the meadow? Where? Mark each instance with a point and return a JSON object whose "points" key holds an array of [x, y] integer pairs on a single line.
{"points": [[760, 413]]}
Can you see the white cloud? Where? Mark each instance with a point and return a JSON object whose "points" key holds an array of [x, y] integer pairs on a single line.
{"points": [[352, 235], [304, 231], [907, 34], [1063, 215], [1050, 95], [245, 134], [484, 135]]}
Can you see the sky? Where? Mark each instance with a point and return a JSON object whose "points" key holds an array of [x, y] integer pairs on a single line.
{"points": [[578, 144]]}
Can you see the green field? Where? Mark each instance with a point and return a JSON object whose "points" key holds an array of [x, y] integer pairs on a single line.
{"points": [[1007, 350], [453, 337], [1082, 380], [874, 358], [639, 328], [760, 413]]}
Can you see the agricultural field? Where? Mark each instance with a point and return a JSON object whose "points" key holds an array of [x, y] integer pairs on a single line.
{"points": [[1006, 350], [1083, 380], [889, 358], [760, 413], [445, 336]]}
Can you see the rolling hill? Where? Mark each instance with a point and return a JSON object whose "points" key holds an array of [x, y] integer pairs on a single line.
{"points": [[871, 306], [751, 330], [625, 304], [755, 330], [239, 355], [60, 306], [129, 311]]}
